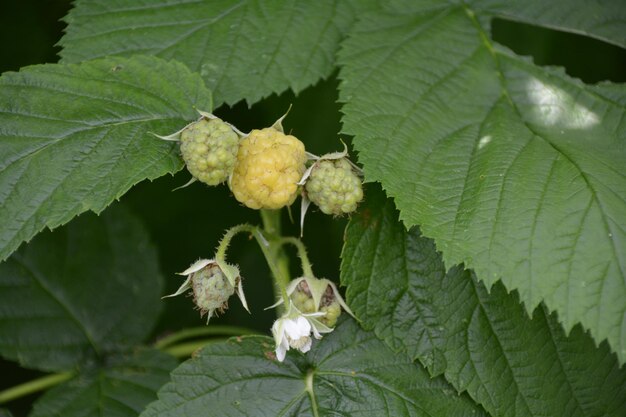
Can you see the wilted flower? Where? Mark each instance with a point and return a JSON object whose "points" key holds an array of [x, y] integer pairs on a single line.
{"points": [[293, 330], [212, 285]]}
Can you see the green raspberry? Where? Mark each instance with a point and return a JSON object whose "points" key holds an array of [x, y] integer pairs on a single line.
{"points": [[334, 186], [303, 301], [211, 289], [333, 311], [209, 148]]}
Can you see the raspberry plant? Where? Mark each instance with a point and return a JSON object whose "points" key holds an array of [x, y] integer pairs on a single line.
{"points": [[479, 271]]}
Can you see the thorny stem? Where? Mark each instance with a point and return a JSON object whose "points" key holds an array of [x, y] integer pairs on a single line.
{"points": [[268, 242], [33, 386]]}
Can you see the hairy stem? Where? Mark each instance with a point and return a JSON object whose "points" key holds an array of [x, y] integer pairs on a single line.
{"points": [[220, 254], [307, 271], [278, 259]]}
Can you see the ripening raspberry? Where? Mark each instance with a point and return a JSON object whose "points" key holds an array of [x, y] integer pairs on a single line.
{"points": [[268, 168]]}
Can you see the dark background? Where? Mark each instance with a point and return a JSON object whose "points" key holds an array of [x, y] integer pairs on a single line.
{"points": [[188, 223]]}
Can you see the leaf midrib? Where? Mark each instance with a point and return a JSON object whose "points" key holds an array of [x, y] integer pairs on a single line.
{"points": [[378, 383], [51, 143], [503, 83], [59, 300]]}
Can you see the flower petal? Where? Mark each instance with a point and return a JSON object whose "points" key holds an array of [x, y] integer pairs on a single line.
{"points": [[278, 331], [307, 345], [280, 353], [291, 329], [303, 326]]}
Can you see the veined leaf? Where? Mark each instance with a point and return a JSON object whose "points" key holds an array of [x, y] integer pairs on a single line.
{"points": [[75, 137], [122, 388], [483, 343], [600, 19], [243, 49], [349, 372], [86, 289], [515, 170]]}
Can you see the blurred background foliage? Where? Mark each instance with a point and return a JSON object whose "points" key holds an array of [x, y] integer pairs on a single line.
{"points": [[187, 224]]}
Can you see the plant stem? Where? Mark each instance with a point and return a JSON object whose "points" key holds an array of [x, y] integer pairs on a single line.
{"points": [[269, 244], [277, 255], [212, 330], [308, 383], [186, 349], [33, 386], [307, 271], [220, 254]]}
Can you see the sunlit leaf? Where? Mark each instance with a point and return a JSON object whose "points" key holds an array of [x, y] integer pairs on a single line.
{"points": [[516, 171]]}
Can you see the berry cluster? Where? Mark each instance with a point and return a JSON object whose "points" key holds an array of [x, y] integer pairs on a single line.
{"points": [[266, 168]]}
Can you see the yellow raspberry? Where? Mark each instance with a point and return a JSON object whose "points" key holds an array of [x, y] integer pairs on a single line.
{"points": [[268, 168]]}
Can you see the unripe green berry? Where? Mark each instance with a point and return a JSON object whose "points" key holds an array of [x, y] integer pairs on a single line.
{"points": [[211, 289], [209, 149], [303, 301], [333, 311], [334, 186]]}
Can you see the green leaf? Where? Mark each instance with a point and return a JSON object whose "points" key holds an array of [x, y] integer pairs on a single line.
{"points": [[349, 372], [515, 170], [483, 343], [121, 389], [604, 19], [243, 49], [89, 288], [75, 137], [5, 413]]}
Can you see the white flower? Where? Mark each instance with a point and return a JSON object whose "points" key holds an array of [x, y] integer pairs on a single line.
{"points": [[293, 330], [212, 283]]}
